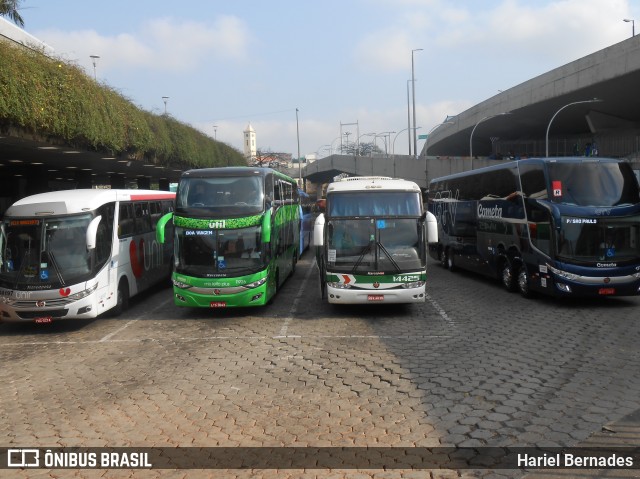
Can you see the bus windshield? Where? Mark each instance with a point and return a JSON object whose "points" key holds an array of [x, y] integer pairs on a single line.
{"points": [[591, 240], [220, 196], [219, 253], [380, 244], [593, 183], [375, 203], [49, 251]]}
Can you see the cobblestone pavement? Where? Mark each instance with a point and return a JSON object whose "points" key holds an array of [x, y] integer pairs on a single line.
{"points": [[473, 366]]}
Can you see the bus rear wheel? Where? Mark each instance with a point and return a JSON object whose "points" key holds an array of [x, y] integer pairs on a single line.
{"points": [[507, 275]]}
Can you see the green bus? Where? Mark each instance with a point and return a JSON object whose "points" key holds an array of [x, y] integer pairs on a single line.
{"points": [[237, 236]]}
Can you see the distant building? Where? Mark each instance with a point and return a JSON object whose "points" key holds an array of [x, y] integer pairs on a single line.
{"points": [[250, 148]]}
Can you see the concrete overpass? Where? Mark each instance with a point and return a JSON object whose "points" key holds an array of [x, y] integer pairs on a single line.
{"points": [[612, 75]]}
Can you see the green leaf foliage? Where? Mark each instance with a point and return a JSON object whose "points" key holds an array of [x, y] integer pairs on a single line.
{"points": [[57, 100]]}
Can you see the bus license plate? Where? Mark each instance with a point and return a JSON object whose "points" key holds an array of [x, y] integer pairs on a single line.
{"points": [[607, 291], [375, 297], [43, 320], [217, 304]]}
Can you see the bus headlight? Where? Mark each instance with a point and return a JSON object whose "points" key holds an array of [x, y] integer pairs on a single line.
{"points": [[180, 284], [339, 285], [256, 284], [415, 284], [84, 294], [562, 274]]}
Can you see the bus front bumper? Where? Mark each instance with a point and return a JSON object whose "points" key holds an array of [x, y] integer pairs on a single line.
{"points": [[363, 296]]}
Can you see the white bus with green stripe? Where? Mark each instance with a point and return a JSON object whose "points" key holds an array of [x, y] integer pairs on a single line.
{"points": [[237, 236], [371, 241]]}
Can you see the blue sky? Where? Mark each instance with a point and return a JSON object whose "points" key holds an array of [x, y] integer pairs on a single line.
{"points": [[228, 63]]}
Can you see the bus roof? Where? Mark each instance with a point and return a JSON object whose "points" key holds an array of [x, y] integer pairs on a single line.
{"points": [[515, 163], [372, 183], [233, 171], [79, 201]]}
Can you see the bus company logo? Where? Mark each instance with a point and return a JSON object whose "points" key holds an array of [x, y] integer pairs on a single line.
{"points": [[492, 212], [217, 224]]}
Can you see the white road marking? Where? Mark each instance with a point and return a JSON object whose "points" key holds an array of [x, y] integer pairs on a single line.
{"points": [[294, 305]]}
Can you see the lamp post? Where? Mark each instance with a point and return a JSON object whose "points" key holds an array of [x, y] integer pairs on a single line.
{"points": [[546, 138], [413, 88], [474, 129], [215, 131], [94, 59], [633, 25], [408, 128], [299, 162], [165, 99]]}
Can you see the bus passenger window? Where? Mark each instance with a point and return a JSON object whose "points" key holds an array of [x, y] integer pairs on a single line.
{"points": [[125, 220]]}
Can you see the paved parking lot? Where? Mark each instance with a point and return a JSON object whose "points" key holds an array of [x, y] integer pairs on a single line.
{"points": [[473, 366]]}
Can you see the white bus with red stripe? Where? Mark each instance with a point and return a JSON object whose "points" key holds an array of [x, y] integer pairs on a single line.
{"points": [[80, 253]]}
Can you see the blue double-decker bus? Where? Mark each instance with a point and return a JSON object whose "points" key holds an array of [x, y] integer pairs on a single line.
{"points": [[560, 226]]}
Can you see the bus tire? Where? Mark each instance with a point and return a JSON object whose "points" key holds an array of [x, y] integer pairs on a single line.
{"points": [[442, 256], [523, 284], [451, 262], [275, 287], [122, 298], [294, 262], [507, 275]]}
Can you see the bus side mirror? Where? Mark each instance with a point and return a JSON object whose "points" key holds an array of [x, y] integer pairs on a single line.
{"points": [[318, 231], [92, 232], [432, 228], [161, 226]]}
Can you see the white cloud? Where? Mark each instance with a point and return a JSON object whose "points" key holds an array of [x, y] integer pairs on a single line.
{"points": [[162, 44]]}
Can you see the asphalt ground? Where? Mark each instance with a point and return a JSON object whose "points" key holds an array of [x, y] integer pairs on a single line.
{"points": [[472, 367]]}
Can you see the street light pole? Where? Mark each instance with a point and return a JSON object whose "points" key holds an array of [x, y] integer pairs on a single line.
{"points": [[474, 129], [215, 132], [633, 25], [299, 162], [413, 87], [546, 138], [94, 59], [408, 118], [165, 99]]}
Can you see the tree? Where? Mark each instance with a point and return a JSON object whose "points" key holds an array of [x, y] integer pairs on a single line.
{"points": [[9, 8]]}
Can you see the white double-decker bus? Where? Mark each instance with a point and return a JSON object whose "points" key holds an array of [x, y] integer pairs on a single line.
{"points": [[371, 241], [79, 253]]}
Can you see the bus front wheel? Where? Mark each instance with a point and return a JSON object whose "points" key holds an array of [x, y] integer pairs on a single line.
{"points": [[122, 298], [450, 260], [523, 282]]}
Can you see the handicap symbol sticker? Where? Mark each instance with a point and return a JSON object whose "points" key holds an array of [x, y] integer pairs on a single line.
{"points": [[44, 274]]}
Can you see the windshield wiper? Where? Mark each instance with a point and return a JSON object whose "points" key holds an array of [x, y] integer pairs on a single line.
{"points": [[365, 250], [56, 267], [384, 250]]}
